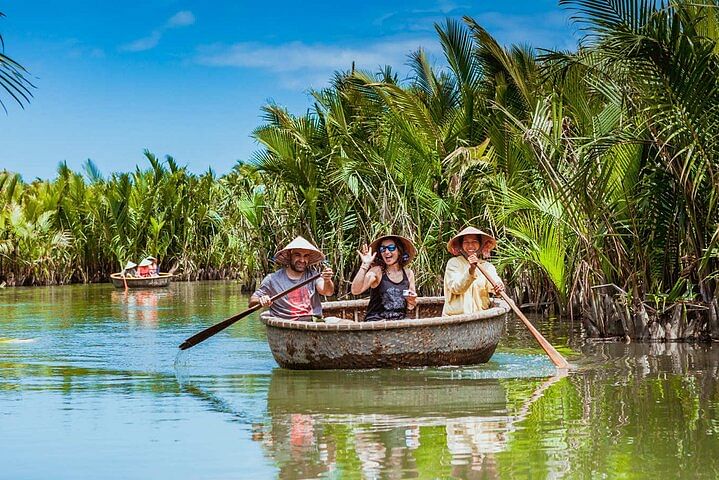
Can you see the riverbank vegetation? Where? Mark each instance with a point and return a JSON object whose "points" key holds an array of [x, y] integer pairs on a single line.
{"points": [[596, 169]]}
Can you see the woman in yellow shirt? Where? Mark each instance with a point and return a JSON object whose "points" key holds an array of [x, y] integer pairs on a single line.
{"points": [[466, 290]]}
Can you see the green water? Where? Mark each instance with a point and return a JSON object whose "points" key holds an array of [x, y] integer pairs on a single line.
{"points": [[92, 386]]}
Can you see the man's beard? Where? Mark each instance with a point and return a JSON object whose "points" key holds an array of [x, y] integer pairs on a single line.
{"points": [[294, 267]]}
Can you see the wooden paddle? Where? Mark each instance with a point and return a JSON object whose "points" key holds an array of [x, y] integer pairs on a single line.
{"points": [[552, 352], [210, 331]]}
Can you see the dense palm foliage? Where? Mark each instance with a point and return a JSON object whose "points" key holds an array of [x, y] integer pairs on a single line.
{"points": [[82, 228], [595, 168]]}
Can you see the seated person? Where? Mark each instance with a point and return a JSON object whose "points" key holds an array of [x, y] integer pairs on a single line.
{"points": [[153, 268], [303, 303], [466, 290], [143, 269], [130, 269], [391, 284]]}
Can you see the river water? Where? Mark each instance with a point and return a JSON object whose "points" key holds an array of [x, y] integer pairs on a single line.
{"points": [[92, 386]]}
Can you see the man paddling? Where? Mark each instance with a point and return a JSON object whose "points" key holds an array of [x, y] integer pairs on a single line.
{"points": [[303, 303]]}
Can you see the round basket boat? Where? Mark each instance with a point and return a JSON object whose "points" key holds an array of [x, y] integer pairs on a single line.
{"points": [[427, 339], [161, 280]]}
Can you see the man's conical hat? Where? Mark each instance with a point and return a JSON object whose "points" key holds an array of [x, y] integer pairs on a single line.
{"points": [[130, 265], [407, 245], [455, 244], [284, 256]]}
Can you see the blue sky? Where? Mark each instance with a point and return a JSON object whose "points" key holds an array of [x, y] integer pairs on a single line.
{"points": [[188, 78]]}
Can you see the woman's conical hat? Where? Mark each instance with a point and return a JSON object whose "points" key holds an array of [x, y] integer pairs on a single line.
{"points": [[455, 244], [407, 244], [284, 256], [130, 265], [145, 263]]}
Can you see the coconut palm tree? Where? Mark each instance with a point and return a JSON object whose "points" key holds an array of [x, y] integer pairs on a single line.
{"points": [[13, 79]]}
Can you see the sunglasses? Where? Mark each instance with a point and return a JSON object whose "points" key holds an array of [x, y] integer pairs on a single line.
{"points": [[388, 248]]}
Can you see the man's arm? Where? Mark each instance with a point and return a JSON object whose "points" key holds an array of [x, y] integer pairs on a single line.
{"points": [[263, 300], [325, 285], [262, 295]]}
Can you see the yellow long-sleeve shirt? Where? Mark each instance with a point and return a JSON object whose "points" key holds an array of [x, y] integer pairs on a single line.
{"points": [[465, 293]]}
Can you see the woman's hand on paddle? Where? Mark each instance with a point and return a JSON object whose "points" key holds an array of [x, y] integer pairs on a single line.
{"points": [[265, 301], [473, 261], [366, 255], [498, 288]]}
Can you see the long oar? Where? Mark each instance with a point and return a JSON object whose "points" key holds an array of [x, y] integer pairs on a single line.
{"points": [[210, 331], [552, 352]]}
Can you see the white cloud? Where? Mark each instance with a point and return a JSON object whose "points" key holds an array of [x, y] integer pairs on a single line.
{"points": [[182, 18], [300, 56], [74, 48], [549, 30], [143, 44], [444, 7], [298, 64]]}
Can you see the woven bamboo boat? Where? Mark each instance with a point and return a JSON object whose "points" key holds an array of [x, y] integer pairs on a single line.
{"points": [[161, 280], [427, 339]]}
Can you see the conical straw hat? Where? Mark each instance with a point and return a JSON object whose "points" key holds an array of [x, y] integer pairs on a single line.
{"points": [[407, 245], [455, 244], [145, 263], [130, 265], [284, 256]]}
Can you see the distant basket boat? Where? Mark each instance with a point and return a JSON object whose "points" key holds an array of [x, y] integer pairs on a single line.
{"points": [[428, 339], [161, 280]]}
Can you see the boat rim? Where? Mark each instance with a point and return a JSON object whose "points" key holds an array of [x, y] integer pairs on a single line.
{"points": [[498, 310], [129, 279]]}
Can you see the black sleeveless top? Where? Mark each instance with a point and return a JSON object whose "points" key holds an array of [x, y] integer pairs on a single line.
{"points": [[386, 301]]}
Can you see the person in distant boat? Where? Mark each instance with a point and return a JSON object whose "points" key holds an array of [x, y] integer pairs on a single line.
{"points": [[390, 282], [153, 268], [466, 290], [130, 269], [303, 303], [143, 269]]}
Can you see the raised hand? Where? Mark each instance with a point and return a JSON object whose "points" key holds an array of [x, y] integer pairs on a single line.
{"points": [[366, 255], [327, 273]]}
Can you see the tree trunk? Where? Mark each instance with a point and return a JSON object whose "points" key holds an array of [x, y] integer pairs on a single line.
{"points": [[605, 315]]}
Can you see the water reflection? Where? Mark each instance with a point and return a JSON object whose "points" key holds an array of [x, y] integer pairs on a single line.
{"points": [[100, 376], [394, 424], [141, 306]]}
